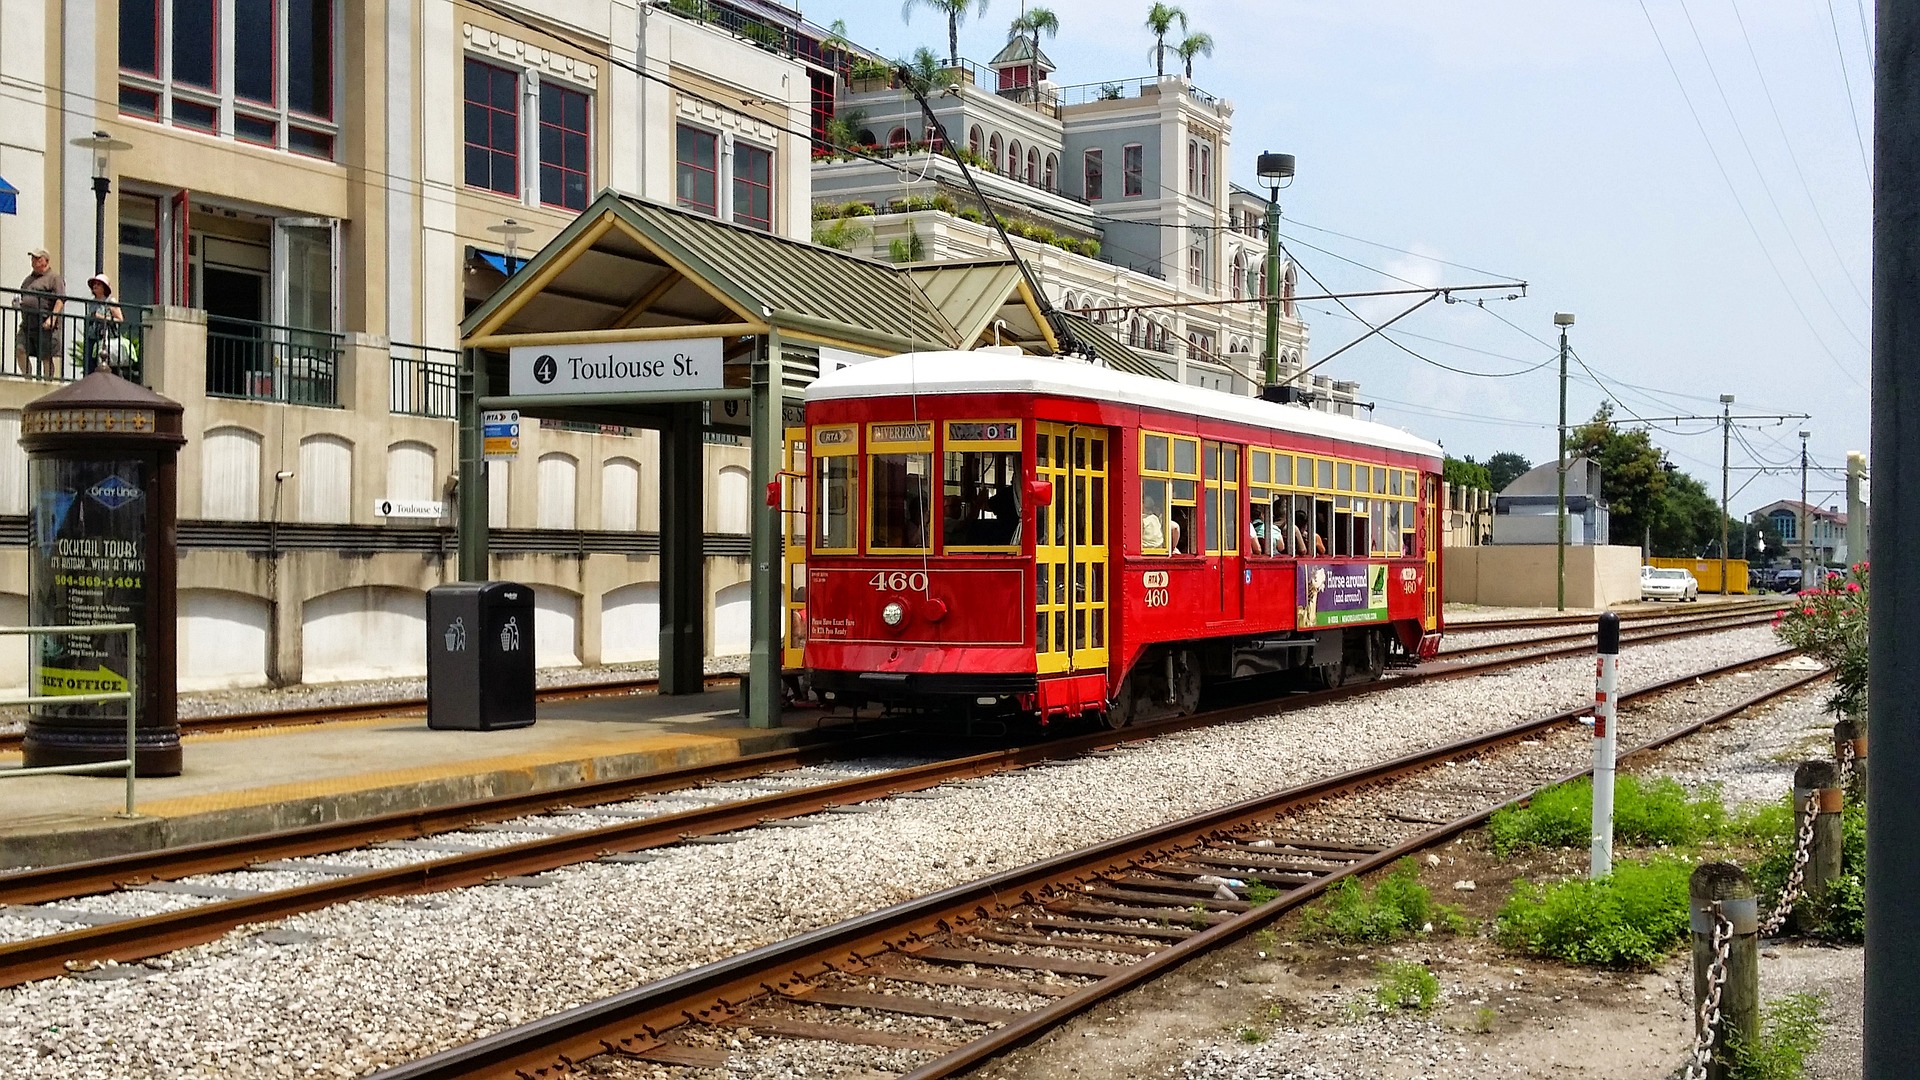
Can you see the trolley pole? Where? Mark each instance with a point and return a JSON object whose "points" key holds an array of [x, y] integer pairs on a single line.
{"points": [[1892, 1039], [1562, 319], [1605, 717]]}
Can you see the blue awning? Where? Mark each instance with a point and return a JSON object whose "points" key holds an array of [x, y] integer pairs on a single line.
{"points": [[9, 197], [499, 261]]}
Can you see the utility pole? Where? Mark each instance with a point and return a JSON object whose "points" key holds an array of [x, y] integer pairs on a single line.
{"points": [[1856, 510], [1276, 170], [1562, 319], [1726, 497], [1806, 517], [1891, 1038]]}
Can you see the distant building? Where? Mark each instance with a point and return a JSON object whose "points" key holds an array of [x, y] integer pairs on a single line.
{"points": [[1827, 529], [1523, 513]]}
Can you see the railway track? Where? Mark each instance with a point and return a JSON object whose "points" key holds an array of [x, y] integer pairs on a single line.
{"points": [[1719, 616], [627, 829], [1527, 622], [306, 716], [940, 984]]}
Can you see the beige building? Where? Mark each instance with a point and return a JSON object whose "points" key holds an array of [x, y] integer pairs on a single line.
{"points": [[314, 195]]}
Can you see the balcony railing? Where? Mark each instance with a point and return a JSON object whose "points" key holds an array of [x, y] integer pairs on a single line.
{"points": [[63, 346], [1081, 93], [424, 381], [264, 362]]}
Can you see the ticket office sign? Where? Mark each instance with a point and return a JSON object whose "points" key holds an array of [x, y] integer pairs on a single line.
{"points": [[87, 564], [1338, 594]]}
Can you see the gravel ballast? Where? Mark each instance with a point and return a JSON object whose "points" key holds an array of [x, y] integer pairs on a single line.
{"points": [[385, 981]]}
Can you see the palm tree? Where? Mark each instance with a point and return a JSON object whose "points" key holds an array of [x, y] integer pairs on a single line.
{"points": [[1195, 44], [928, 74], [956, 12], [1030, 24], [1160, 20]]}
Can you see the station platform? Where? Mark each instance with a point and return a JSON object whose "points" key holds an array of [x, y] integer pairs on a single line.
{"points": [[260, 780]]}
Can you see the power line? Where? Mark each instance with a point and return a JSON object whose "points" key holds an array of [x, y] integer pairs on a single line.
{"points": [[1390, 247], [1846, 81], [1738, 202]]}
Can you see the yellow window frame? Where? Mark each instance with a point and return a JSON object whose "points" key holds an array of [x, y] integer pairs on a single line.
{"points": [[1009, 441], [827, 441], [899, 437], [1172, 475], [1223, 491]]}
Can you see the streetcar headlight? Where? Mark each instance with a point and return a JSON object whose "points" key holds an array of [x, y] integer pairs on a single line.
{"points": [[894, 613]]}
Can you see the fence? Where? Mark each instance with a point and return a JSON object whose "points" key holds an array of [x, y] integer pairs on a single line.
{"points": [[264, 362], [62, 346], [129, 695], [423, 381], [1081, 93]]}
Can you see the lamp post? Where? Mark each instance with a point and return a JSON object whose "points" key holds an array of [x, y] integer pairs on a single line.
{"points": [[103, 145], [1726, 468], [1276, 171], [510, 232], [1562, 319], [1806, 517]]}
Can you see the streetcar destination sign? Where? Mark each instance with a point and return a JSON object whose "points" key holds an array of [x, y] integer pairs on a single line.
{"points": [[617, 367]]}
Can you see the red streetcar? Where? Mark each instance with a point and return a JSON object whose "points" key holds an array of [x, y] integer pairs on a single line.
{"points": [[998, 536]]}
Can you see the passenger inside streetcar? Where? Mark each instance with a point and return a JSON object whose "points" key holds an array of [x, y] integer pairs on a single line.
{"points": [[1153, 533], [1181, 526], [1257, 529], [1300, 533]]}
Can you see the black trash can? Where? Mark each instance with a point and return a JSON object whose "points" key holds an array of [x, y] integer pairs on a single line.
{"points": [[479, 656]]}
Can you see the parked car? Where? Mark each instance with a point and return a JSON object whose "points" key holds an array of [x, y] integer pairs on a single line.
{"points": [[1786, 580], [1659, 583]]}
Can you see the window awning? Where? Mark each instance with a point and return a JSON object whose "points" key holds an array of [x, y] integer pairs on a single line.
{"points": [[9, 197]]}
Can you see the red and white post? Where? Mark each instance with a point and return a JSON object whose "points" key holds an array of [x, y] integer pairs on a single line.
{"points": [[1605, 717]]}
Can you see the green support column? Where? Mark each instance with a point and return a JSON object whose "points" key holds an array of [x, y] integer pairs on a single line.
{"points": [[683, 564], [768, 609], [473, 469]]}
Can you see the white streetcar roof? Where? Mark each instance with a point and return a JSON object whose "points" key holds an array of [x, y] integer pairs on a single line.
{"points": [[983, 372]]}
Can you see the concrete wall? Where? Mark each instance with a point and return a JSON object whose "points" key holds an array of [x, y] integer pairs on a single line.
{"points": [[1525, 575]]}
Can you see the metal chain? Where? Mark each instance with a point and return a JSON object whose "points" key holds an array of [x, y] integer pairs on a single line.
{"points": [[1709, 1012], [1790, 892], [1846, 762]]}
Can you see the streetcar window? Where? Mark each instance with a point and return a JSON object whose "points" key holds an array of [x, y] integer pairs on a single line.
{"points": [[1345, 474], [1283, 468], [833, 503], [1184, 453], [1221, 509], [1182, 533], [1390, 531], [1393, 482], [1258, 522], [981, 499], [1153, 517], [1325, 481], [1258, 462], [899, 516], [1153, 456]]}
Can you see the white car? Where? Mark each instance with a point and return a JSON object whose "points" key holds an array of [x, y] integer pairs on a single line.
{"points": [[1657, 583]]}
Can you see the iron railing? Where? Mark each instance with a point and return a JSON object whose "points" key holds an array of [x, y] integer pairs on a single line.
{"points": [[1081, 93], [263, 362], [62, 346], [424, 381]]}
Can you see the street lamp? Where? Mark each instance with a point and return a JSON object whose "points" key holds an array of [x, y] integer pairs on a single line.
{"points": [[1562, 319], [1806, 516], [1276, 171], [510, 231], [103, 145]]}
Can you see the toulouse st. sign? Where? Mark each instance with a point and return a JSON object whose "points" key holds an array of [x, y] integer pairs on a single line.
{"points": [[620, 367]]}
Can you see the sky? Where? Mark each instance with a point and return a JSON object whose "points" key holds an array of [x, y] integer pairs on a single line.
{"points": [[1703, 211]]}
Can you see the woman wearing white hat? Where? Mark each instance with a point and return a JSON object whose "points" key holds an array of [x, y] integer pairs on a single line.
{"points": [[103, 341]]}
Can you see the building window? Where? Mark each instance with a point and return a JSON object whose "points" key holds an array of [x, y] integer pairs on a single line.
{"points": [[1013, 159], [493, 128], [753, 186], [898, 138], [1197, 269], [973, 140], [823, 109], [281, 52], [1132, 170], [697, 170], [1033, 166], [1239, 274], [993, 152], [1094, 176], [1205, 190], [565, 145], [1053, 172]]}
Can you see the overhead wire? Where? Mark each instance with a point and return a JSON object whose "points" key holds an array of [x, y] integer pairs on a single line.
{"points": [[1846, 82], [1727, 178]]}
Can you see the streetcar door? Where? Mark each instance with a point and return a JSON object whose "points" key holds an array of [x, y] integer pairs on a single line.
{"points": [[1070, 550], [793, 504], [1431, 550]]}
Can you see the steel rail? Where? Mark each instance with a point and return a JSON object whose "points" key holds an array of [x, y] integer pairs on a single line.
{"points": [[1692, 619], [136, 938], [1524, 622], [636, 1019]]}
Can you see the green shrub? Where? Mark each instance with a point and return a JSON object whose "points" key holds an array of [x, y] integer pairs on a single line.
{"points": [[1259, 892], [1407, 985], [1631, 918], [1843, 916], [1090, 248], [1649, 812], [968, 213], [944, 203], [1789, 1033], [1398, 906]]}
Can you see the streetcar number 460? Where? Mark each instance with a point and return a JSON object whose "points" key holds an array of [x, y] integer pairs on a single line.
{"points": [[899, 581]]}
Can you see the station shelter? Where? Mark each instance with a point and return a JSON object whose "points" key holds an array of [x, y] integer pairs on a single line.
{"points": [[629, 274]]}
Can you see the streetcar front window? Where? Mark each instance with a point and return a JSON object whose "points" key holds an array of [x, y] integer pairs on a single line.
{"points": [[899, 513], [981, 499]]}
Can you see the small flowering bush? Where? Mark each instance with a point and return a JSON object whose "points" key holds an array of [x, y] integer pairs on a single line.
{"points": [[1831, 625]]}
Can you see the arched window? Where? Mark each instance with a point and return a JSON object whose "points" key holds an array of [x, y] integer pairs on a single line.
{"points": [[934, 142], [898, 137], [865, 137], [1239, 274], [1053, 172], [1193, 166], [993, 152], [1289, 281], [1013, 159], [1033, 166], [973, 140]]}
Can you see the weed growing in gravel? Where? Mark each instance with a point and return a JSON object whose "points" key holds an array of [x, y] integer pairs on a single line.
{"points": [[1646, 812], [1632, 918], [1266, 941], [1770, 828], [1197, 916], [1398, 906], [1790, 1031], [1259, 892], [1252, 1035], [1405, 984], [1483, 1019]]}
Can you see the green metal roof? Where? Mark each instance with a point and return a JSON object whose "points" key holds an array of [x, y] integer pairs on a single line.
{"points": [[766, 275], [1109, 350]]}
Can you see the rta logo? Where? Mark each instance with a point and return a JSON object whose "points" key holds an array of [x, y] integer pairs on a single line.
{"points": [[544, 369]]}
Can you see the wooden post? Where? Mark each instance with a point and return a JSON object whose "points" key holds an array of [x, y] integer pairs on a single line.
{"points": [[1740, 994], [1816, 792], [1849, 730]]}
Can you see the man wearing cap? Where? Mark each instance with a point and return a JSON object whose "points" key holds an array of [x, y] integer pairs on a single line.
{"points": [[37, 326]]}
